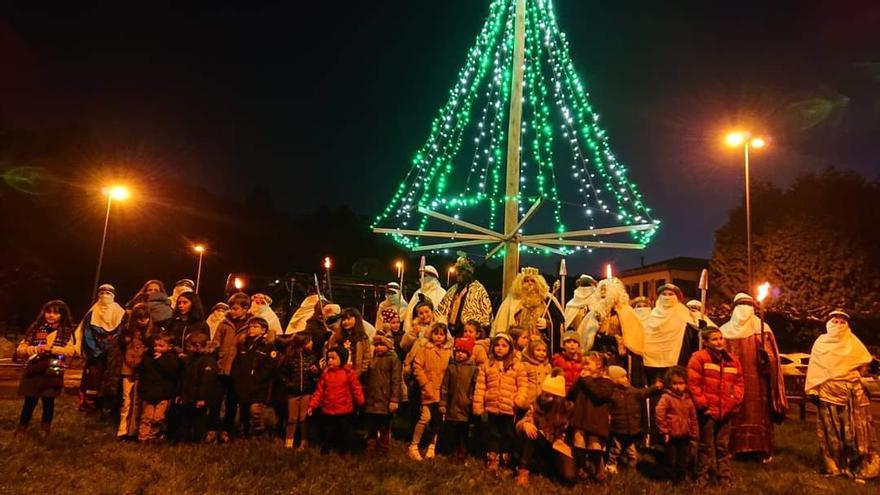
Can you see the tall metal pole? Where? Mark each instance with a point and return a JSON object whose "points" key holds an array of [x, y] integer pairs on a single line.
{"points": [[748, 219], [199, 271], [103, 242], [511, 199]]}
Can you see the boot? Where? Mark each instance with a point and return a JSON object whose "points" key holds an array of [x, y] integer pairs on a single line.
{"points": [[493, 464], [429, 454], [522, 477], [224, 437], [384, 441], [211, 437], [413, 452]]}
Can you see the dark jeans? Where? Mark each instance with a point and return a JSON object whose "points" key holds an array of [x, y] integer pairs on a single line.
{"points": [[231, 402], [542, 449], [379, 429], [501, 433], [713, 453], [30, 403], [336, 431], [454, 437], [191, 423], [677, 457]]}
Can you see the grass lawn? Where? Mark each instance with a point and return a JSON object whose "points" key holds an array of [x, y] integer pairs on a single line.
{"points": [[82, 456]]}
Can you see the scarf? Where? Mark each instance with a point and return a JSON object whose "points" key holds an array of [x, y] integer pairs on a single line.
{"points": [[743, 323], [664, 332], [835, 354]]}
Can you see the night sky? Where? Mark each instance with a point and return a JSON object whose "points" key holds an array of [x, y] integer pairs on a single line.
{"points": [[327, 101]]}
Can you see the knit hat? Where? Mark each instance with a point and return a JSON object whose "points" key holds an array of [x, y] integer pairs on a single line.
{"points": [[430, 270], [694, 305], [743, 298], [464, 344], [554, 385], [570, 335], [389, 314], [616, 373], [220, 305], [260, 321], [187, 282], [107, 288], [381, 339], [839, 313], [705, 332], [342, 352]]}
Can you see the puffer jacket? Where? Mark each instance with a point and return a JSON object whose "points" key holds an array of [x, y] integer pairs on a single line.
{"points": [[628, 408], [715, 381], [382, 383], [337, 393], [571, 367], [500, 389], [429, 366], [457, 391], [229, 334], [592, 405], [536, 372], [481, 352], [676, 416]]}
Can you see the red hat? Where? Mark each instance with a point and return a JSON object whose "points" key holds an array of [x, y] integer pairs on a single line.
{"points": [[464, 344]]}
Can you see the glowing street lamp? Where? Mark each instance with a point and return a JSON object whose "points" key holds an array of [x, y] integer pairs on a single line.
{"points": [[119, 193], [200, 250], [746, 140]]}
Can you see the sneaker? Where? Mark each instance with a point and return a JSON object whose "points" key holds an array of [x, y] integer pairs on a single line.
{"points": [[413, 453], [522, 477], [288, 443], [611, 468], [429, 454], [224, 437], [211, 437]]}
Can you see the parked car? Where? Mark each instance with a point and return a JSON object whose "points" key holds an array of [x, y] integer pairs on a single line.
{"points": [[794, 363]]}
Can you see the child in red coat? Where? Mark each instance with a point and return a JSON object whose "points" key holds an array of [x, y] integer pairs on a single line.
{"points": [[715, 381], [337, 394], [571, 360]]}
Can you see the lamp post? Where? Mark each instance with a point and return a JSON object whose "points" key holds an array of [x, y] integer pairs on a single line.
{"points": [[200, 250], [119, 193], [328, 263], [747, 141]]}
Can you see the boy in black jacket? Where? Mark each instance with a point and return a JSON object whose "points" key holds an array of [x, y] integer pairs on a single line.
{"points": [[199, 392], [253, 372], [159, 372]]}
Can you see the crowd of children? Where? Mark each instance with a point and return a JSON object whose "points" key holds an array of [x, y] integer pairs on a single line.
{"points": [[504, 398]]}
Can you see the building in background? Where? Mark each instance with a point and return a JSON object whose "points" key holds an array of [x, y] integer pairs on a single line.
{"points": [[683, 272]]}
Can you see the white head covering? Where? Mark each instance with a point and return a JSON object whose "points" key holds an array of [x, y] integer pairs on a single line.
{"points": [[664, 331], [743, 321], [834, 354], [265, 312], [106, 313], [213, 320]]}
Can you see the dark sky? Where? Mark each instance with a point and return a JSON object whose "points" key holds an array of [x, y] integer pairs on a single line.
{"points": [[326, 102]]}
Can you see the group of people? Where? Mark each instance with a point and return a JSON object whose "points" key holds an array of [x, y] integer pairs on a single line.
{"points": [[576, 391]]}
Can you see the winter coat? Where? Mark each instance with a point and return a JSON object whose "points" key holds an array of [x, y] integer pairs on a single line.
{"points": [[133, 348], [253, 370], [628, 409], [397, 338], [457, 390], [180, 327], [226, 339], [382, 383], [571, 367], [199, 381], [359, 353], [320, 334], [501, 390], [338, 392], [42, 377], [429, 365], [481, 352], [592, 405], [299, 372], [676, 416], [551, 429], [715, 381], [536, 372], [158, 377]]}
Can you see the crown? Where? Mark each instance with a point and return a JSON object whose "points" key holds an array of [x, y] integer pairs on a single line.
{"points": [[531, 271]]}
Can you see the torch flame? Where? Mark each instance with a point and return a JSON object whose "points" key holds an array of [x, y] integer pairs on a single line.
{"points": [[608, 271], [763, 291]]}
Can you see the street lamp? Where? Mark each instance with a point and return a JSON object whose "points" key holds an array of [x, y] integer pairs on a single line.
{"points": [[328, 263], [746, 140], [449, 273], [119, 193], [200, 249]]}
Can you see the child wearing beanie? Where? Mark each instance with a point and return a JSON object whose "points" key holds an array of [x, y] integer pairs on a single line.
{"points": [[457, 396], [570, 359]]}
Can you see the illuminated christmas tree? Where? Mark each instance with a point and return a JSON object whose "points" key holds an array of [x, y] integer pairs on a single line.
{"points": [[518, 131]]}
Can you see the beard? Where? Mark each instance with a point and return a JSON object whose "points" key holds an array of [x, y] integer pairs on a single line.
{"points": [[531, 297]]}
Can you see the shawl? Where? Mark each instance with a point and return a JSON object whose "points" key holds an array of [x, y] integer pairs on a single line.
{"points": [[835, 354]]}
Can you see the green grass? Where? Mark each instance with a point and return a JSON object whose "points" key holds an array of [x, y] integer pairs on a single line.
{"points": [[82, 456]]}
